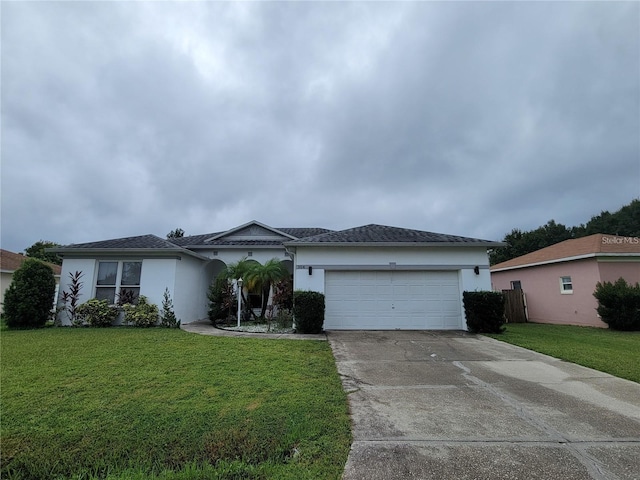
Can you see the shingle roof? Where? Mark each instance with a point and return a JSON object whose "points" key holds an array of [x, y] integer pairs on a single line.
{"points": [[10, 262], [304, 232], [576, 247], [238, 243], [141, 241], [367, 234], [376, 234], [193, 240], [197, 241]]}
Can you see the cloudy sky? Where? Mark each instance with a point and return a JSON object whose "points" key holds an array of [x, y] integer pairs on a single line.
{"points": [[467, 118]]}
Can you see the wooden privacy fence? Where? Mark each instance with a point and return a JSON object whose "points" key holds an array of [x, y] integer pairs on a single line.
{"points": [[515, 306]]}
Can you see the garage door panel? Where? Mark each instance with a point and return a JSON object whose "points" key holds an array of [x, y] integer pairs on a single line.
{"points": [[392, 300]]}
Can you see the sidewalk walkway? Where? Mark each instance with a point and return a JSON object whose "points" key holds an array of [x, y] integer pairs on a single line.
{"points": [[204, 327]]}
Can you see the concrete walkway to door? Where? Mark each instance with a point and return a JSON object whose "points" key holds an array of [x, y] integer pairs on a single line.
{"points": [[451, 405]]}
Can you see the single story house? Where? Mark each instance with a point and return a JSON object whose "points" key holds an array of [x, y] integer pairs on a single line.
{"points": [[9, 263], [559, 280], [373, 277]]}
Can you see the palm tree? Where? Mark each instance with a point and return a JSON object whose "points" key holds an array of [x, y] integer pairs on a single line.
{"points": [[263, 277]]}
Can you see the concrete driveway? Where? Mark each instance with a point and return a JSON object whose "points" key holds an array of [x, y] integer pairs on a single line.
{"points": [[440, 405]]}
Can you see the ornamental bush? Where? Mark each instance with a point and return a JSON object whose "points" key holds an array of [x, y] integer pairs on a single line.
{"points": [[143, 314], [29, 299], [619, 304], [96, 313], [168, 316], [71, 299], [308, 311], [484, 311]]}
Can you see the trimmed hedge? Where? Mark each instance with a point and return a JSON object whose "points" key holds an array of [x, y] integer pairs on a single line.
{"points": [[484, 311], [308, 311], [619, 304]]}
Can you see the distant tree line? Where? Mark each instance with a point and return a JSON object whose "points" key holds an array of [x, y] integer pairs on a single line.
{"points": [[625, 222], [177, 233]]}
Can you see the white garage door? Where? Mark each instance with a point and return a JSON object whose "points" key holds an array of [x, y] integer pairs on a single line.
{"points": [[389, 300]]}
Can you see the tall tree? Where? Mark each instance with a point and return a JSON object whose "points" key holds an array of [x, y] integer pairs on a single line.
{"points": [[625, 222], [37, 250]]}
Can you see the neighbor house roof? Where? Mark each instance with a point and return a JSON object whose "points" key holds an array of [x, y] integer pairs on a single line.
{"points": [[392, 236], [598, 244], [10, 262]]}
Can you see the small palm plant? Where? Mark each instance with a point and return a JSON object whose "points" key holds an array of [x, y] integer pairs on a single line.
{"points": [[240, 270], [265, 277], [256, 277]]}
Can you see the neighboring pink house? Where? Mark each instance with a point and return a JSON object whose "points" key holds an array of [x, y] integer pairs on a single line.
{"points": [[559, 281]]}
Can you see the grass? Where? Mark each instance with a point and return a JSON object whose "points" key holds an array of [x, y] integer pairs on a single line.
{"points": [[616, 353], [125, 403]]}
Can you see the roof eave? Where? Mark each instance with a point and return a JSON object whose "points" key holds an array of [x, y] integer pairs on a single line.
{"points": [[233, 247], [114, 252], [395, 244]]}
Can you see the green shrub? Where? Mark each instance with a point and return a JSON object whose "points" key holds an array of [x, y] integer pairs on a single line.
{"points": [[29, 299], [284, 318], [222, 300], [143, 314], [168, 317], [619, 304], [484, 311], [308, 311], [96, 313]]}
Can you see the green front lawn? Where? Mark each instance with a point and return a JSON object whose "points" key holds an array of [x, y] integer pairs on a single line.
{"points": [[617, 353], [165, 404]]}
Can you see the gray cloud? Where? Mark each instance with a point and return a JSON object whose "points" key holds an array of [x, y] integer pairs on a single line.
{"points": [[127, 118]]}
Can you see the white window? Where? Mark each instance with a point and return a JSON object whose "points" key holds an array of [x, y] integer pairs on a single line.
{"points": [[565, 285], [516, 285], [118, 281]]}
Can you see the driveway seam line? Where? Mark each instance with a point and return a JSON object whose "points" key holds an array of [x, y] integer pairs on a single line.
{"points": [[489, 442]]}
